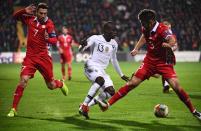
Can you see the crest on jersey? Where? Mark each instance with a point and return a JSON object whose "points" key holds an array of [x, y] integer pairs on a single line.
{"points": [[43, 26], [106, 49]]}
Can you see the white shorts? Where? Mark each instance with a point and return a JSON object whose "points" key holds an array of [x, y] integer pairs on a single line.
{"points": [[92, 73]]}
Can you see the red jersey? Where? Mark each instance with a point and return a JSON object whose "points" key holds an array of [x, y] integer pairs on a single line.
{"points": [[154, 40], [64, 42], [37, 45]]}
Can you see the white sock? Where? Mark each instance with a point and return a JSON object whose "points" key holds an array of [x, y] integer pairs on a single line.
{"points": [[92, 92], [102, 96], [166, 83]]}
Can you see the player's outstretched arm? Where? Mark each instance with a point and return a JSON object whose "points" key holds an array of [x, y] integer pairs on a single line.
{"points": [[115, 64], [139, 44]]}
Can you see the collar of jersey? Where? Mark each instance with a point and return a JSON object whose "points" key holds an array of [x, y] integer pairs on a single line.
{"points": [[155, 27], [36, 19]]}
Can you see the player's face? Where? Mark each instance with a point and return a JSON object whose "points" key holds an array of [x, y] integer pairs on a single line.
{"points": [[146, 24], [111, 32], [64, 30], [41, 14]]}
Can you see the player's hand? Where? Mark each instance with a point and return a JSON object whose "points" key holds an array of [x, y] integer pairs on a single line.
{"points": [[46, 35], [30, 9], [126, 78], [60, 51], [164, 44], [83, 42], [80, 48], [134, 52]]}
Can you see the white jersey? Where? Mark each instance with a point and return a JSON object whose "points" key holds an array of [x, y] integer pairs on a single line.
{"points": [[102, 52]]}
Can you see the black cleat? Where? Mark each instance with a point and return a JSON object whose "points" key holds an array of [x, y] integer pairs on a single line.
{"points": [[197, 115]]}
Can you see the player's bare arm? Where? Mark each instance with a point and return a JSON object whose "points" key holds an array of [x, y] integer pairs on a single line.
{"points": [[139, 44]]}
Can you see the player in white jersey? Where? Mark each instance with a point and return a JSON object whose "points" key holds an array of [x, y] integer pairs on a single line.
{"points": [[103, 50]]}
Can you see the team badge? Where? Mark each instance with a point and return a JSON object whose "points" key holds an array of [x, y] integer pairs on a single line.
{"points": [[43, 26], [106, 49]]}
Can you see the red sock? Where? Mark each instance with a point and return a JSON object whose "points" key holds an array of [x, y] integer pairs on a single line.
{"points": [[58, 84], [63, 70], [17, 96], [186, 100], [118, 95], [69, 71]]}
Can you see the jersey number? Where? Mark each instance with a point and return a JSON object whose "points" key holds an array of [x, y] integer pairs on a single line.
{"points": [[100, 48], [35, 32]]}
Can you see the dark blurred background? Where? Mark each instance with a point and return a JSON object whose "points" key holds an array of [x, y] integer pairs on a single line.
{"points": [[85, 17]]}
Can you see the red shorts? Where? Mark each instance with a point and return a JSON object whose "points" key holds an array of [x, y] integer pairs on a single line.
{"points": [[147, 69], [65, 58], [43, 64]]}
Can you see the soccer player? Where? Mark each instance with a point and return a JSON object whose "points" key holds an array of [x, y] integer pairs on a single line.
{"points": [[41, 32], [103, 50], [166, 86], [159, 59], [66, 55]]}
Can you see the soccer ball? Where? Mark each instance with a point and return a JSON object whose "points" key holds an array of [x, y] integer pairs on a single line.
{"points": [[161, 110]]}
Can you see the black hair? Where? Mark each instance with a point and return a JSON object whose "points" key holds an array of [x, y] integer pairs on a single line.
{"points": [[146, 15], [107, 25], [42, 5]]}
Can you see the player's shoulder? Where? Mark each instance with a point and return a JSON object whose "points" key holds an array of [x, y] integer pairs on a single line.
{"points": [[69, 36], [114, 42], [94, 37], [49, 22], [162, 27]]}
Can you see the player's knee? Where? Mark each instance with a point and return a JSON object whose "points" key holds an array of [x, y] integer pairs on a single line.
{"points": [[99, 80], [24, 80], [110, 90], [134, 82]]}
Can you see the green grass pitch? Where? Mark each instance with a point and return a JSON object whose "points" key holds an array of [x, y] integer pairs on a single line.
{"points": [[43, 109]]}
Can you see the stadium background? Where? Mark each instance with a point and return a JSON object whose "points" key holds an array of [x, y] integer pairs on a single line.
{"points": [[85, 17]]}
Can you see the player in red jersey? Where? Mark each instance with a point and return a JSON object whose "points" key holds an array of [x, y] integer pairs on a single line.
{"points": [[65, 49], [159, 59], [165, 84], [41, 32]]}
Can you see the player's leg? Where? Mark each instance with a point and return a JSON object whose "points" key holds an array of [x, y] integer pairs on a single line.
{"points": [[18, 94], [103, 95], [170, 75], [123, 91], [184, 97], [142, 73], [63, 71], [69, 70], [95, 75], [46, 69], [27, 72], [69, 63], [106, 91], [84, 109]]}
